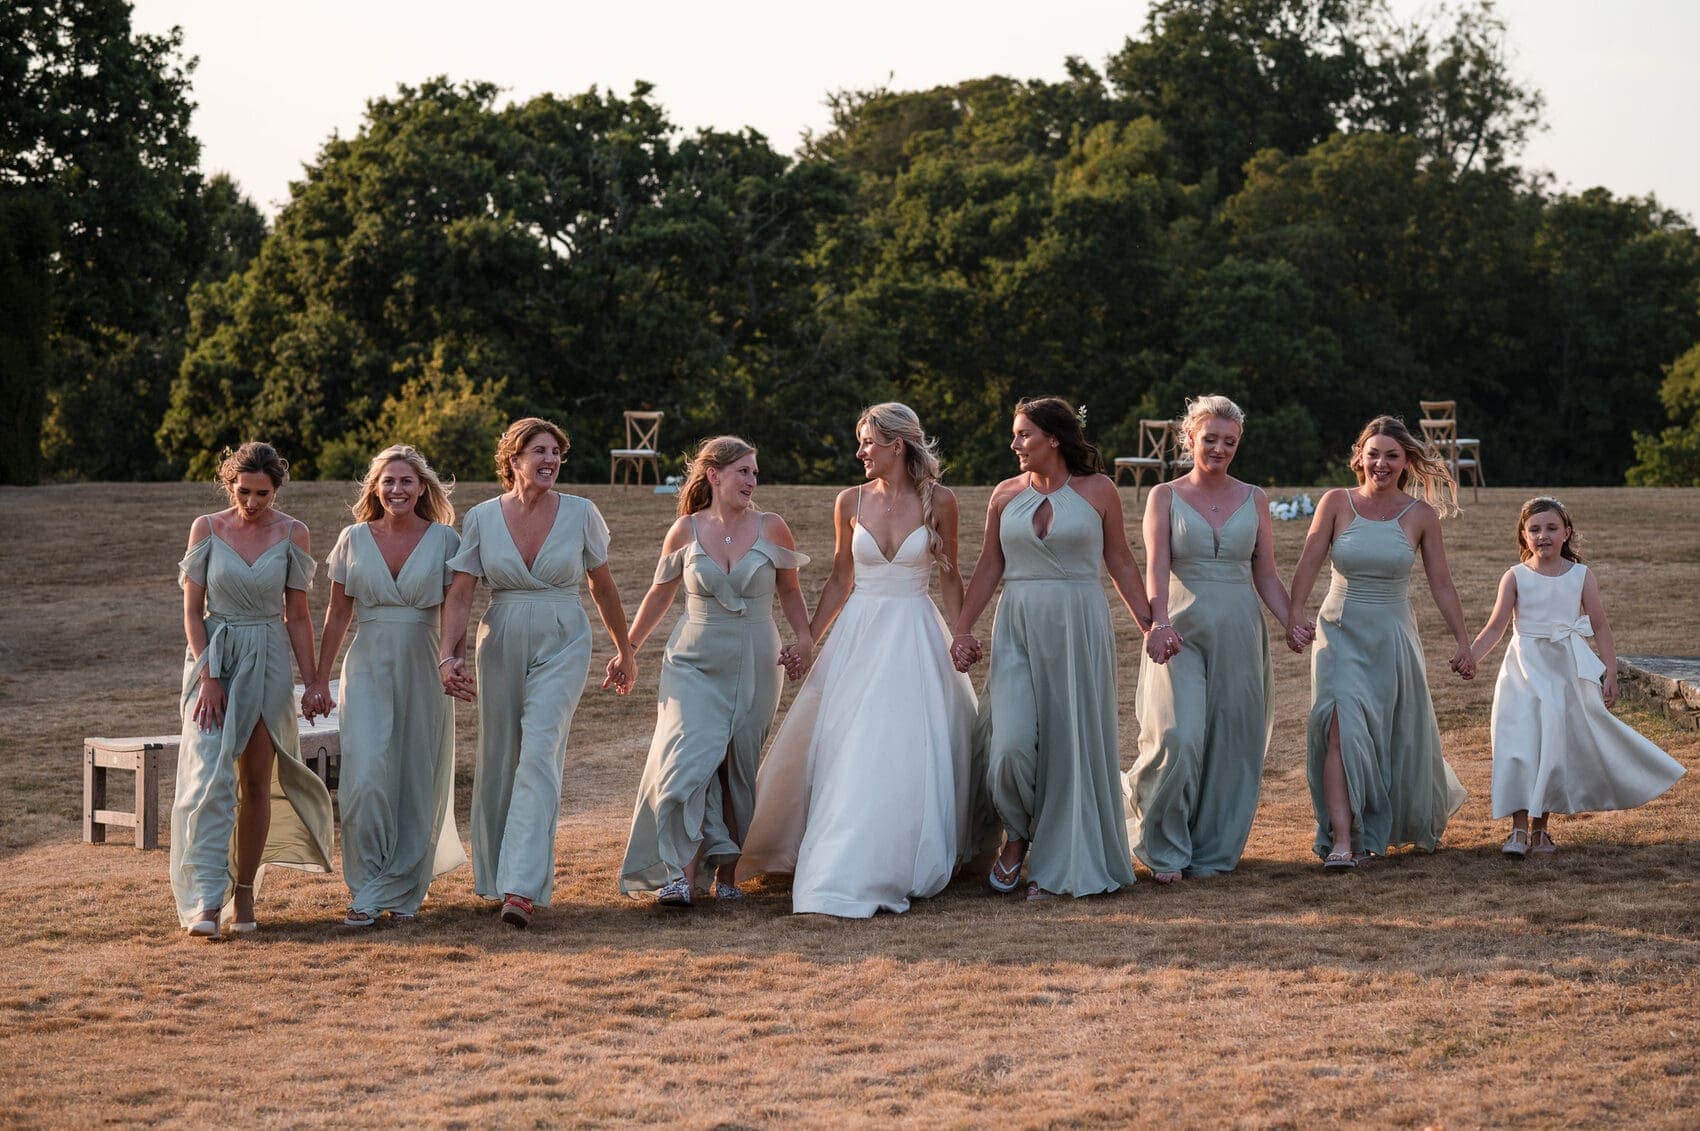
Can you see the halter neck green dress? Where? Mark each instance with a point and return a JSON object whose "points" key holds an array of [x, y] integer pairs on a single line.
{"points": [[248, 650], [533, 656], [720, 681], [1205, 716], [1367, 666], [1053, 763], [396, 790]]}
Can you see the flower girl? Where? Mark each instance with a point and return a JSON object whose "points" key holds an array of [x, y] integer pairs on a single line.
{"points": [[1556, 746]]}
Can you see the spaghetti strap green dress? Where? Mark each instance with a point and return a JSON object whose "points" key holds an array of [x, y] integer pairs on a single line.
{"points": [[720, 681], [248, 650], [396, 790], [1367, 668], [1053, 765], [533, 656], [1205, 717]]}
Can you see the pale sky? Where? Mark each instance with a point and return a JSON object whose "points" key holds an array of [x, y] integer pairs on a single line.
{"points": [[276, 80]]}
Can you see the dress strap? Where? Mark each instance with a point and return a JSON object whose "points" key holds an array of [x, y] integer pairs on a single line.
{"points": [[858, 504], [1352, 501], [1407, 509]]}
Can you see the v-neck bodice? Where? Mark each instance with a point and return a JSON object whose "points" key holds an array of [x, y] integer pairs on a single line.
{"points": [[576, 544], [357, 563], [238, 589], [1071, 550], [1199, 552]]}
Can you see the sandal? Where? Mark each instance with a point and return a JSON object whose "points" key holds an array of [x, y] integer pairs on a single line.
{"points": [[205, 928], [1339, 861], [1165, 878], [1004, 880], [1037, 894], [240, 927], [401, 917], [674, 893], [727, 892], [1543, 843], [516, 910], [1517, 844], [353, 918]]}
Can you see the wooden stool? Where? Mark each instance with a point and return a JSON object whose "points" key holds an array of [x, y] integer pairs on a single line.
{"points": [[142, 757]]}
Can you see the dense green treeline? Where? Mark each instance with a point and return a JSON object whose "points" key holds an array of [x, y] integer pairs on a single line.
{"points": [[1299, 203]]}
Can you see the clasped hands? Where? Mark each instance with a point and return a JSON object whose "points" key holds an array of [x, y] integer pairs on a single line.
{"points": [[797, 658], [965, 651], [316, 699], [1162, 643]]}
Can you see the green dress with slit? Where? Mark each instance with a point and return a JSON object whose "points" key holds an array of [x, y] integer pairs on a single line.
{"points": [[1053, 765], [248, 650], [720, 681], [533, 656], [1204, 716], [1367, 667], [395, 789]]}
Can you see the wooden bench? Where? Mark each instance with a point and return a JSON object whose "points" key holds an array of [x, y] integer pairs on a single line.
{"points": [[321, 749]]}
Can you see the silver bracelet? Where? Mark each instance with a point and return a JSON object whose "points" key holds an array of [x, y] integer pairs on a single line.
{"points": [[446, 659]]}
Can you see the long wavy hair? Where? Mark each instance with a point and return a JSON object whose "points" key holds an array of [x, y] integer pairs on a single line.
{"points": [[716, 453], [1423, 465], [1056, 418], [893, 421], [1534, 507], [432, 505]]}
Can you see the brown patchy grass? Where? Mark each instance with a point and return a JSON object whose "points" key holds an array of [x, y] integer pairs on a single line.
{"points": [[1457, 989]]}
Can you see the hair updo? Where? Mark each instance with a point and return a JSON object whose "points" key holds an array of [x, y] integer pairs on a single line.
{"points": [[1200, 409], [256, 456], [1057, 419]]}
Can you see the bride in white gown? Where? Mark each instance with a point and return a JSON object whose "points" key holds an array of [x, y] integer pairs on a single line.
{"points": [[864, 795]]}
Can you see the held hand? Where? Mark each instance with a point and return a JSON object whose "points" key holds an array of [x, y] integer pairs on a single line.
{"points": [[1464, 663], [796, 659], [1162, 643], [209, 704], [1300, 634], [622, 673], [965, 651], [457, 682], [1608, 688]]}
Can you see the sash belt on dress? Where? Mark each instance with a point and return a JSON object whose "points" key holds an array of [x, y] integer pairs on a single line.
{"points": [[396, 614], [1573, 634], [216, 624]]}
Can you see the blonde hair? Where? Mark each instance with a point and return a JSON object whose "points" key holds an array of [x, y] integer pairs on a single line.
{"points": [[1534, 507], [514, 440], [1200, 409], [715, 453], [256, 456], [894, 421], [1433, 478], [433, 502]]}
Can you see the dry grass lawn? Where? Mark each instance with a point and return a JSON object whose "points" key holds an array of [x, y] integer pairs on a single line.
{"points": [[1459, 989]]}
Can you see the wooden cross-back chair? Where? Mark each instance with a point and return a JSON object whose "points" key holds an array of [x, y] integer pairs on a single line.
{"points": [[1153, 454], [643, 431], [1462, 453], [1180, 460]]}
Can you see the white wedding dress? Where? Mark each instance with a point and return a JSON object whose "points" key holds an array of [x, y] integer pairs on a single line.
{"points": [[864, 795]]}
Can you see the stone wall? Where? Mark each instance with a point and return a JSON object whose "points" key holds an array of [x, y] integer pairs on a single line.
{"points": [[1668, 682]]}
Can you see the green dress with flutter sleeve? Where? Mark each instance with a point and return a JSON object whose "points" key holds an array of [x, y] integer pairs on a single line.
{"points": [[720, 681], [533, 655], [1204, 716], [1053, 762], [248, 650], [395, 792]]}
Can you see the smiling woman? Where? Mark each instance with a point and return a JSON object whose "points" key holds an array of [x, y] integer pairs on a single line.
{"points": [[533, 546], [719, 675]]}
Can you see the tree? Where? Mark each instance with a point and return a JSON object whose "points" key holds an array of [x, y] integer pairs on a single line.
{"points": [[96, 118], [26, 250]]}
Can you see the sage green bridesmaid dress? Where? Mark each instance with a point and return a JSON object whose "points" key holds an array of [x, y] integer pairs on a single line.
{"points": [[720, 680], [1205, 716], [533, 656], [1367, 666], [1054, 769], [395, 792], [248, 650]]}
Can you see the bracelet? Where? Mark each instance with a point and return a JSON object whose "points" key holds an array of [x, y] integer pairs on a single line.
{"points": [[1165, 624], [446, 659]]}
